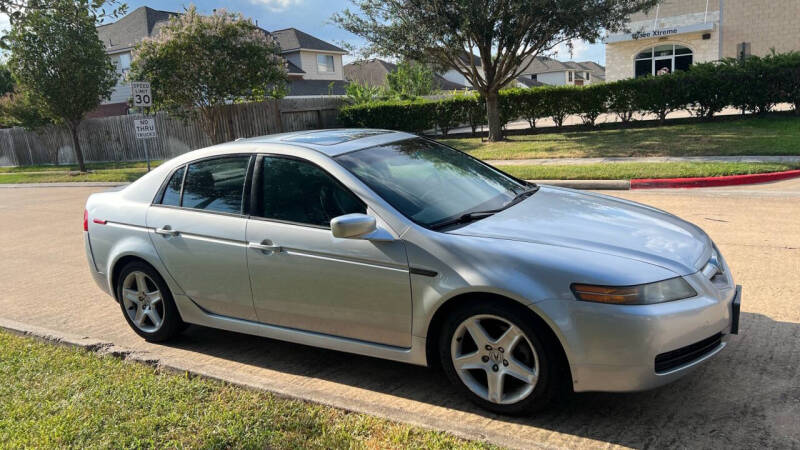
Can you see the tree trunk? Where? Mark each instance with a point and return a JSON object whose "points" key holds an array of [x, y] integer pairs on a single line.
{"points": [[76, 145], [493, 117]]}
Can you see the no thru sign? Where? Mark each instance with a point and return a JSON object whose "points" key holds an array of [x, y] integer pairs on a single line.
{"points": [[145, 128], [141, 94]]}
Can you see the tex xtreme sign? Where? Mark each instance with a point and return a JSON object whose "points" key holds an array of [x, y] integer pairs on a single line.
{"points": [[643, 33]]}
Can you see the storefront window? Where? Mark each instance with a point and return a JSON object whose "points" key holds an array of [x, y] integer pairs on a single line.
{"points": [[662, 59]]}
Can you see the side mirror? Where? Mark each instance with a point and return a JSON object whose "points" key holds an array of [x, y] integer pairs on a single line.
{"points": [[353, 226]]}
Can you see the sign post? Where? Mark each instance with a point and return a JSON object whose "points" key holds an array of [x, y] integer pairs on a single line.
{"points": [[146, 127]]}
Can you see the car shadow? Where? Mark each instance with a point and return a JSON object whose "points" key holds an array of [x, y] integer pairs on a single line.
{"points": [[749, 393]]}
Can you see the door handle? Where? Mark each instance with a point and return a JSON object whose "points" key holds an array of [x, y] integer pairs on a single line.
{"points": [[265, 245], [166, 230]]}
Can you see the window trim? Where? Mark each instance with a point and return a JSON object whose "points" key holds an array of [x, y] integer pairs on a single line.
{"points": [[256, 200], [244, 206]]}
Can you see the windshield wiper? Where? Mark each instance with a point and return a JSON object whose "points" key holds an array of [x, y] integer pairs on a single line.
{"points": [[477, 215]]}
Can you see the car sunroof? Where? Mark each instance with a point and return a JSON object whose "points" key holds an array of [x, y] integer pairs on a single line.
{"points": [[332, 137]]}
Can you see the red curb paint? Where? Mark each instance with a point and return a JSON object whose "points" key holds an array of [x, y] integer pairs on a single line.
{"points": [[730, 180]]}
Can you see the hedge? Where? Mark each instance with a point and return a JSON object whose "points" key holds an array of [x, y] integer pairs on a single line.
{"points": [[754, 85]]}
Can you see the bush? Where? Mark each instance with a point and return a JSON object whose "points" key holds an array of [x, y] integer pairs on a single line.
{"points": [[754, 85]]}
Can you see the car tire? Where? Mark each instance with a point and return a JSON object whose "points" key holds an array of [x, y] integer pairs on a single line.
{"points": [[533, 356], [147, 303]]}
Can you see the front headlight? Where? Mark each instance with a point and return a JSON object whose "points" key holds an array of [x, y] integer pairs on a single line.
{"points": [[643, 294]]}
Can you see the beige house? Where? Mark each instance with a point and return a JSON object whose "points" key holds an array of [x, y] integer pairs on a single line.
{"points": [[679, 33]]}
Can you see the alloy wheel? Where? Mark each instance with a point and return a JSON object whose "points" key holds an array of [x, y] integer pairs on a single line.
{"points": [[494, 359], [143, 302]]}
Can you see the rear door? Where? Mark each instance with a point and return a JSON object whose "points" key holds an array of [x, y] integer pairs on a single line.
{"points": [[310, 280], [199, 233]]}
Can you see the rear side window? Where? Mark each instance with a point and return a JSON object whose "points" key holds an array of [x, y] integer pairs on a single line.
{"points": [[216, 184], [172, 193], [298, 191]]}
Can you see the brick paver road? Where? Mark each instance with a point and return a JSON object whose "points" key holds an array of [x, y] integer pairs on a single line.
{"points": [[747, 397]]}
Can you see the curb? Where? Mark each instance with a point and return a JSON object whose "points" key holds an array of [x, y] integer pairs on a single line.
{"points": [[611, 185], [728, 180]]}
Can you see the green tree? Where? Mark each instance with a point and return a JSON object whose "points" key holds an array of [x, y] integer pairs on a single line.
{"points": [[199, 65], [19, 109], [410, 80], [57, 58], [503, 33], [6, 80]]}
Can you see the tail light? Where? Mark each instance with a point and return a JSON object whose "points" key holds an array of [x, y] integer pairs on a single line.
{"points": [[85, 220]]}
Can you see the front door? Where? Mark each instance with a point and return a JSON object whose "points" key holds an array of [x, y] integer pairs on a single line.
{"points": [[200, 234], [304, 278]]}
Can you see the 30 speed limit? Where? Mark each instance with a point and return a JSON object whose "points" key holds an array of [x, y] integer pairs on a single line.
{"points": [[141, 93]]}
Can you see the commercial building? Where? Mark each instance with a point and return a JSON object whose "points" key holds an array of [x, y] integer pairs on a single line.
{"points": [[678, 33]]}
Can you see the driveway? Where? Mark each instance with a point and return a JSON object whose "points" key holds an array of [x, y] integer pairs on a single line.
{"points": [[746, 397]]}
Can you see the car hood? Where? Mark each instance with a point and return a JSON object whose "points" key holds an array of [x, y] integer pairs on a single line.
{"points": [[598, 223]]}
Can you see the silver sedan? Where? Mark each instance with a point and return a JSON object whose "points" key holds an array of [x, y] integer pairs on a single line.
{"points": [[395, 246]]}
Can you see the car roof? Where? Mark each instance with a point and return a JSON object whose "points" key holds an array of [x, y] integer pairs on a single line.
{"points": [[332, 142]]}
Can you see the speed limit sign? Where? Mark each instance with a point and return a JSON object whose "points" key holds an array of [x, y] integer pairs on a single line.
{"points": [[141, 93]]}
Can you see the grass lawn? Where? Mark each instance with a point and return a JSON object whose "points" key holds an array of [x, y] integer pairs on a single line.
{"points": [[53, 396], [129, 174], [626, 171], [772, 135], [74, 167]]}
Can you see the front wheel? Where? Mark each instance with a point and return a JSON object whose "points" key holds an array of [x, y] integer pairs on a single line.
{"points": [[498, 358]]}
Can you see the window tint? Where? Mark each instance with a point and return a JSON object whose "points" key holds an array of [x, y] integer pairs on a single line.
{"points": [[172, 193], [216, 184], [298, 191]]}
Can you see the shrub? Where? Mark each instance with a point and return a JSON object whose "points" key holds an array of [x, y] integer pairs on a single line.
{"points": [[661, 95], [709, 87], [530, 104], [591, 102], [623, 99], [405, 115], [451, 112], [558, 102]]}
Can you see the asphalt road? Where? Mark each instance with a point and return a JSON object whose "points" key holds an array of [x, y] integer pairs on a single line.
{"points": [[746, 397]]}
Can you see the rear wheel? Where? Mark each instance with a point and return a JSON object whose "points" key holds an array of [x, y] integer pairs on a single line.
{"points": [[498, 358], [147, 303]]}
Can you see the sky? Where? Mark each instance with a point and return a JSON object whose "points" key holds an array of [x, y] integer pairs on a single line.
{"points": [[313, 17]]}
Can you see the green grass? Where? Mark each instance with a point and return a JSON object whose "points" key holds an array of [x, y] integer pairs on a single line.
{"points": [[772, 135], [74, 167], [626, 171], [121, 175], [53, 396]]}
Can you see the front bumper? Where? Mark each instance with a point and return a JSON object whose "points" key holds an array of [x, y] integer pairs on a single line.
{"points": [[614, 348]]}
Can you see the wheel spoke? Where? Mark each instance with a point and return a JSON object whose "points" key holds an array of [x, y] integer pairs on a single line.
{"points": [[520, 371], [469, 361], [510, 338], [139, 317], [477, 332], [141, 283], [154, 316], [131, 296], [495, 386], [154, 297]]}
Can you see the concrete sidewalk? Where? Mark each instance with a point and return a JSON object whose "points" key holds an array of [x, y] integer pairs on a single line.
{"points": [[646, 159], [746, 397]]}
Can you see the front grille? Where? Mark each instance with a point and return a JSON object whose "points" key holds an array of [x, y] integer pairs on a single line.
{"points": [[676, 358]]}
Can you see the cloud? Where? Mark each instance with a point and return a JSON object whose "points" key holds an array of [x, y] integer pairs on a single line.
{"points": [[277, 5], [4, 23]]}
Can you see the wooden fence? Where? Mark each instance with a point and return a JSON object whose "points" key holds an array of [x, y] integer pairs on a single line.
{"points": [[114, 138]]}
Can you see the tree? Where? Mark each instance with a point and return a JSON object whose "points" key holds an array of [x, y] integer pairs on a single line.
{"points": [[20, 109], [6, 80], [58, 59], [504, 33], [199, 65], [410, 80]]}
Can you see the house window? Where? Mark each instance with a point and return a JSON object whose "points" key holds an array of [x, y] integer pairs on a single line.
{"points": [[533, 76], [587, 76], [569, 77], [325, 63], [662, 59], [124, 63]]}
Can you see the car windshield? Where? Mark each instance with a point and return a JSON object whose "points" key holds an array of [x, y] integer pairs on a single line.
{"points": [[430, 183]]}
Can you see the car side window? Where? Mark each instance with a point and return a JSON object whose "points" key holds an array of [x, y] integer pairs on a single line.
{"points": [[301, 192], [216, 184], [172, 192]]}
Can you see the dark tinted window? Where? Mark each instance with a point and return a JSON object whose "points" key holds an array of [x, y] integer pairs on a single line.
{"points": [[298, 191], [216, 184], [172, 193]]}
